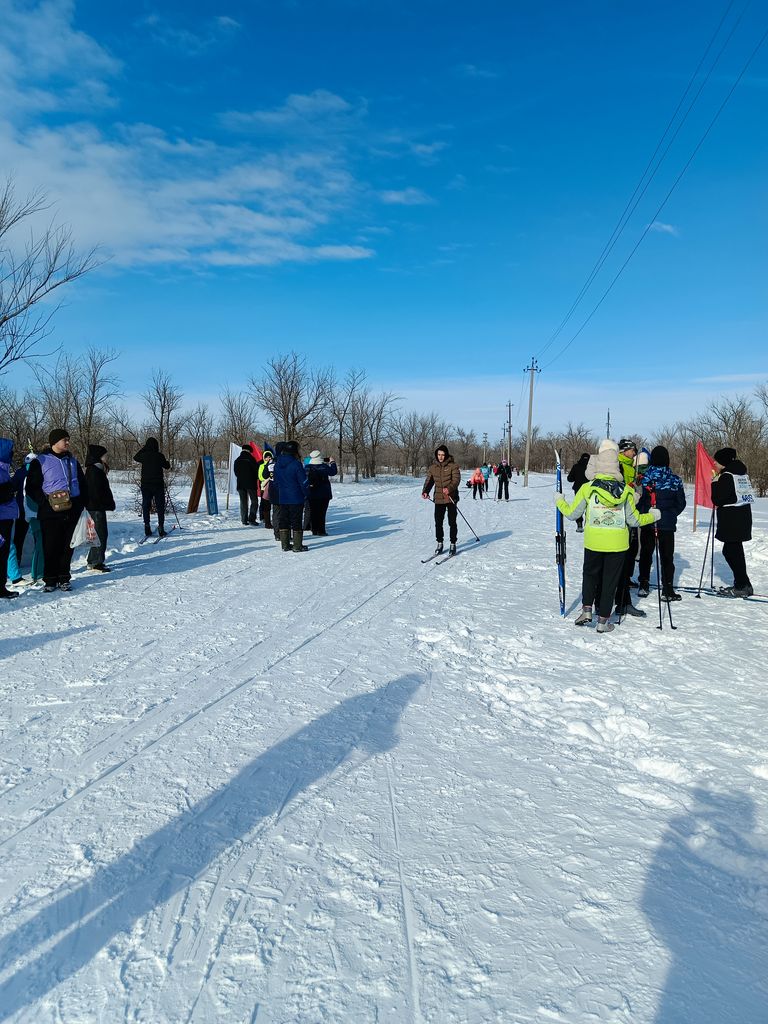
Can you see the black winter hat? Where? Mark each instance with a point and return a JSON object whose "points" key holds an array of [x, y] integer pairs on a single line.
{"points": [[660, 456], [626, 443], [724, 455], [57, 435], [246, 448], [291, 447]]}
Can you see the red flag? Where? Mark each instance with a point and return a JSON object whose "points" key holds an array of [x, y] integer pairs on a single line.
{"points": [[705, 467]]}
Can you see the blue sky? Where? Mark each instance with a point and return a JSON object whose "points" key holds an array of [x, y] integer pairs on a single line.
{"points": [[420, 189]]}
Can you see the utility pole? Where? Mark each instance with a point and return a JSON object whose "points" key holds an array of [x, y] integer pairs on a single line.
{"points": [[485, 448], [532, 369], [608, 425], [509, 433]]}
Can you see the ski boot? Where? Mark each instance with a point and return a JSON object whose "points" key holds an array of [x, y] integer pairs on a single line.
{"points": [[439, 548], [584, 618], [452, 548], [604, 626], [643, 588], [734, 591]]}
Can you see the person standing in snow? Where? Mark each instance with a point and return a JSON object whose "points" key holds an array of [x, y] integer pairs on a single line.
{"points": [[732, 496], [246, 470], [153, 463], [265, 478], [503, 472], [485, 469], [608, 506], [659, 480], [577, 476], [100, 501], [627, 462], [445, 476], [56, 483], [29, 513], [292, 486], [478, 483], [319, 473], [9, 513]]}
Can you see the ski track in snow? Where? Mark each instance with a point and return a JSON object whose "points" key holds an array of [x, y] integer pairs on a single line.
{"points": [[236, 785]]}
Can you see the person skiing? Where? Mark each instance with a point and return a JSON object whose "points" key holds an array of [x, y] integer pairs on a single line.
{"points": [[56, 483], [577, 476], [669, 494], [485, 469], [445, 476], [246, 470], [732, 496], [319, 473], [9, 513], [478, 483], [608, 506], [100, 501], [504, 473], [152, 462], [291, 479]]}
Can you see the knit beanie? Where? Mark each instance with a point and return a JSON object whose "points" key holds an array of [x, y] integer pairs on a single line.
{"points": [[627, 444], [58, 435], [608, 446], [724, 455], [660, 456]]}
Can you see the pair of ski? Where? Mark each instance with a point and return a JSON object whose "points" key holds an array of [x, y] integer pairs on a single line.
{"points": [[156, 540], [441, 556]]}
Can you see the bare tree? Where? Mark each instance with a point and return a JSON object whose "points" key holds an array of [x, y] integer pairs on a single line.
{"points": [[201, 431], [29, 273], [238, 421], [294, 396], [376, 413], [163, 401], [341, 397]]}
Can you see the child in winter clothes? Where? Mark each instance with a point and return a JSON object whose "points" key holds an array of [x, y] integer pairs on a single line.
{"points": [[478, 483], [662, 487], [732, 496], [608, 506]]}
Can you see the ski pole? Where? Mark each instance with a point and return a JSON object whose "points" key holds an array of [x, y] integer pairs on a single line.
{"points": [[455, 505], [173, 507], [652, 492], [706, 552]]}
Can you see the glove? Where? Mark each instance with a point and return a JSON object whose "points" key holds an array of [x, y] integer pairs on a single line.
{"points": [[558, 497], [656, 513]]}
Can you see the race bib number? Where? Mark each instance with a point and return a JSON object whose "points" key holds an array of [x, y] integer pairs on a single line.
{"points": [[744, 493], [606, 517]]}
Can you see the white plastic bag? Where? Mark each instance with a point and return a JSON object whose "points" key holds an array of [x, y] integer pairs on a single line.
{"points": [[85, 531]]}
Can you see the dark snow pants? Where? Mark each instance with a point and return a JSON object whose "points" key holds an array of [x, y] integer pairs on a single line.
{"points": [[602, 571], [248, 495], [98, 551], [290, 517], [318, 508], [156, 493], [623, 593], [453, 532], [57, 554], [503, 484], [666, 557], [475, 489], [733, 553]]}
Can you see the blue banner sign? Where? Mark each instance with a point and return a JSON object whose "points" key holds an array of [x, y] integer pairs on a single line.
{"points": [[210, 486]]}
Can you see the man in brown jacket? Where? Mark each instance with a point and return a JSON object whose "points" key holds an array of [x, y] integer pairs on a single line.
{"points": [[445, 475]]}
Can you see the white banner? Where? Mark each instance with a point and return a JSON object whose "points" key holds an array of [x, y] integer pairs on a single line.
{"points": [[234, 451]]}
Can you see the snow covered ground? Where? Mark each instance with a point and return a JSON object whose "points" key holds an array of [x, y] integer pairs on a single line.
{"points": [[244, 786]]}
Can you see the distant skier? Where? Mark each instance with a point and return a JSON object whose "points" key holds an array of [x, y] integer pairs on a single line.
{"points": [[445, 476], [577, 476], [478, 482], [732, 496], [485, 469], [608, 505], [504, 473], [669, 494], [153, 463]]}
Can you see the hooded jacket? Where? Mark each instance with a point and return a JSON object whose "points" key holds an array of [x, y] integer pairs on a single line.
{"points": [[608, 507], [440, 475], [291, 478], [100, 498], [246, 470], [152, 462], [669, 492], [9, 506], [734, 520], [578, 475]]}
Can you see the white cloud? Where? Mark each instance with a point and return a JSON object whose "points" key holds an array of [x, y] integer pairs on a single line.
{"points": [[147, 196], [318, 111], [187, 40], [405, 197], [473, 71], [664, 229]]}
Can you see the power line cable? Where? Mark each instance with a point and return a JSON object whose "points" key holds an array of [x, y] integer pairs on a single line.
{"points": [[676, 182], [635, 198]]}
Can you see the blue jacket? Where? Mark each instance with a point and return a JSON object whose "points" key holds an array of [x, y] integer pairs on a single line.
{"points": [[9, 508], [670, 495], [291, 480], [319, 478]]}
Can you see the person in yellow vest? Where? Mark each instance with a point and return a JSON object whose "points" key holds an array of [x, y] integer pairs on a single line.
{"points": [[608, 506]]}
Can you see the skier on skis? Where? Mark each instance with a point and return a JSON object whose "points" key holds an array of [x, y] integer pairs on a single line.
{"points": [[445, 476], [608, 506], [732, 496], [152, 462], [504, 473]]}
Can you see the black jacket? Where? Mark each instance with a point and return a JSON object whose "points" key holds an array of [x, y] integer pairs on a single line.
{"points": [[734, 523], [578, 473], [100, 498], [153, 462], [34, 488], [246, 471]]}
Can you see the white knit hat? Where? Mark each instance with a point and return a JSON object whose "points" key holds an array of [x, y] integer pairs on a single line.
{"points": [[315, 458], [608, 446]]}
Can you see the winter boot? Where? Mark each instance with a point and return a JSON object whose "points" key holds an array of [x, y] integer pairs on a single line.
{"points": [[584, 618], [298, 538], [285, 540], [643, 588], [147, 530], [452, 548], [604, 626], [630, 610], [8, 593], [671, 596], [735, 591]]}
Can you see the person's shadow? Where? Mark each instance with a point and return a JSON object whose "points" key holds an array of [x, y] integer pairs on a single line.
{"points": [[84, 920], [706, 898]]}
